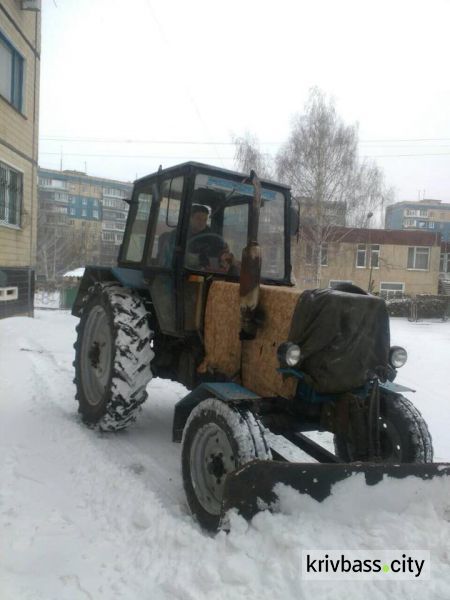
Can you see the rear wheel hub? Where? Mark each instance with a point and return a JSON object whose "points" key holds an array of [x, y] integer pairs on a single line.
{"points": [[96, 355]]}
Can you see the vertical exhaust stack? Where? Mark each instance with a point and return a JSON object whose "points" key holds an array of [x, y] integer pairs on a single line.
{"points": [[250, 278]]}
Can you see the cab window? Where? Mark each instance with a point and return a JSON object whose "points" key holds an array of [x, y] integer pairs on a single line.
{"points": [[166, 222], [138, 229]]}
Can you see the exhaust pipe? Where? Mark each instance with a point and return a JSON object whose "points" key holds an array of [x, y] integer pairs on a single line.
{"points": [[250, 277]]}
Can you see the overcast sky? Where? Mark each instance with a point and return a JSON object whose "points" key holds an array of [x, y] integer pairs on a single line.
{"points": [[117, 75]]}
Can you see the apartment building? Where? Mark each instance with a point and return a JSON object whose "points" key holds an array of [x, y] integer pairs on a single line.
{"points": [[426, 215], [81, 221], [20, 28]]}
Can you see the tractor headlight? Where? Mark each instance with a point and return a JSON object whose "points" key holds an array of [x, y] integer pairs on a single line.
{"points": [[397, 357], [288, 354]]}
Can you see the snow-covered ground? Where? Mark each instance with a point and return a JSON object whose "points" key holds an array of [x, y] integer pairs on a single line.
{"points": [[102, 516]]}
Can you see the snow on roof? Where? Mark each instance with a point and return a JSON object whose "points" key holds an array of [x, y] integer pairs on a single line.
{"points": [[75, 273]]}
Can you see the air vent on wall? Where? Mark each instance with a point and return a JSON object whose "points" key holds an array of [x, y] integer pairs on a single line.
{"points": [[31, 5], [8, 293]]}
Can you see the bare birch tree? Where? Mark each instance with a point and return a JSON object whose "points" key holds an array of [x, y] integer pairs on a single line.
{"points": [[248, 156], [320, 162]]}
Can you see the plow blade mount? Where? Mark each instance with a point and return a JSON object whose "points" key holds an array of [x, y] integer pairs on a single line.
{"points": [[250, 489]]}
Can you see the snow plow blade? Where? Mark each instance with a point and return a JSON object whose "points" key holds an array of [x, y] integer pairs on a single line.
{"points": [[251, 488]]}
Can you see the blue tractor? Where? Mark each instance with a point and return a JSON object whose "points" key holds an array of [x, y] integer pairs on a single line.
{"points": [[202, 294]]}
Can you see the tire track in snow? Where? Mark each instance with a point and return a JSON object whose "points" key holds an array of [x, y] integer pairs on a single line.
{"points": [[145, 448]]}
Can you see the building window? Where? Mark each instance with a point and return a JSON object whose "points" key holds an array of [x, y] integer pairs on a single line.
{"points": [[95, 214], [11, 192], [107, 236], [84, 212], [364, 252], [361, 256], [61, 196], [58, 183], [391, 290], [374, 256], [114, 192], [431, 225], [418, 258], [416, 212], [444, 263], [11, 73]]}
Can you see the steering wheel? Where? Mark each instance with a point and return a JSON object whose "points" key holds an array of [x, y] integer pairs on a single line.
{"points": [[205, 246]]}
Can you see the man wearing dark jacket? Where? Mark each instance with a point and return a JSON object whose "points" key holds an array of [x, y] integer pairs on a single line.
{"points": [[205, 250]]}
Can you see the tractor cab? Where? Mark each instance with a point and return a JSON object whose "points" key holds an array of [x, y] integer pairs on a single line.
{"points": [[189, 224]]}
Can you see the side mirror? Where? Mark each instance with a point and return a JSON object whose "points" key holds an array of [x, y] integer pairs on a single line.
{"points": [[294, 221]]}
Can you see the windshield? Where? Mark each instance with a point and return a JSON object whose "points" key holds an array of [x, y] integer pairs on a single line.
{"points": [[218, 227]]}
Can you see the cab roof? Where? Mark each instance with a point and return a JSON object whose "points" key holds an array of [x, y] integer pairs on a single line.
{"points": [[197, 166]]}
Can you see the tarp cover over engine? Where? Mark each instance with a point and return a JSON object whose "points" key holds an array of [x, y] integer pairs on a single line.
{"points": [[343, 338]]}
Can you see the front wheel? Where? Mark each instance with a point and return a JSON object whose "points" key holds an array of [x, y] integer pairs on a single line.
{"points": [[217, 440], [404, 435]]}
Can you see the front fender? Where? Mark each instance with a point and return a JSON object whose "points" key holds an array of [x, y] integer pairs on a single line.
{"points": [[394, 388], [130, 278], [228, 392]]}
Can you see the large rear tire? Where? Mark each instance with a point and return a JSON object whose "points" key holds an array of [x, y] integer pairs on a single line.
{"points": [[217, 440], [404, 435], [112, 356]]}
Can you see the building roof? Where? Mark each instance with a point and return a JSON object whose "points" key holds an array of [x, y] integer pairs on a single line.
{"points": [[395, 237], [77, 175], [420, 204]]}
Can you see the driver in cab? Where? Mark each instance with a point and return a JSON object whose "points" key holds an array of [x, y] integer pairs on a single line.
{"points": [[206, 250]]}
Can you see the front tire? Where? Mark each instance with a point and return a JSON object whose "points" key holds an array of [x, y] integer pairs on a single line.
{"points": [[404, 435], [112, 356], [217, 440]]}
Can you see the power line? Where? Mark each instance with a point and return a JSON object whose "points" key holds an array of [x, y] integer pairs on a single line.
{"points": [[216, 143], [190, 157], [182, 157], [128, 141], [186, 83], [407, 140]]}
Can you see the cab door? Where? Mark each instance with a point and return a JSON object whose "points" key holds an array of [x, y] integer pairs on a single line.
{"points": [[152, 240]]}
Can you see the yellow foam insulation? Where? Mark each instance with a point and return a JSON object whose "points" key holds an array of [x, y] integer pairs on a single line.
{"points": [[221, 329], [259, 356]]}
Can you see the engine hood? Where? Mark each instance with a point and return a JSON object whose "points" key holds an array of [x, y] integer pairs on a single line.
{"points": [[344, 338]]}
